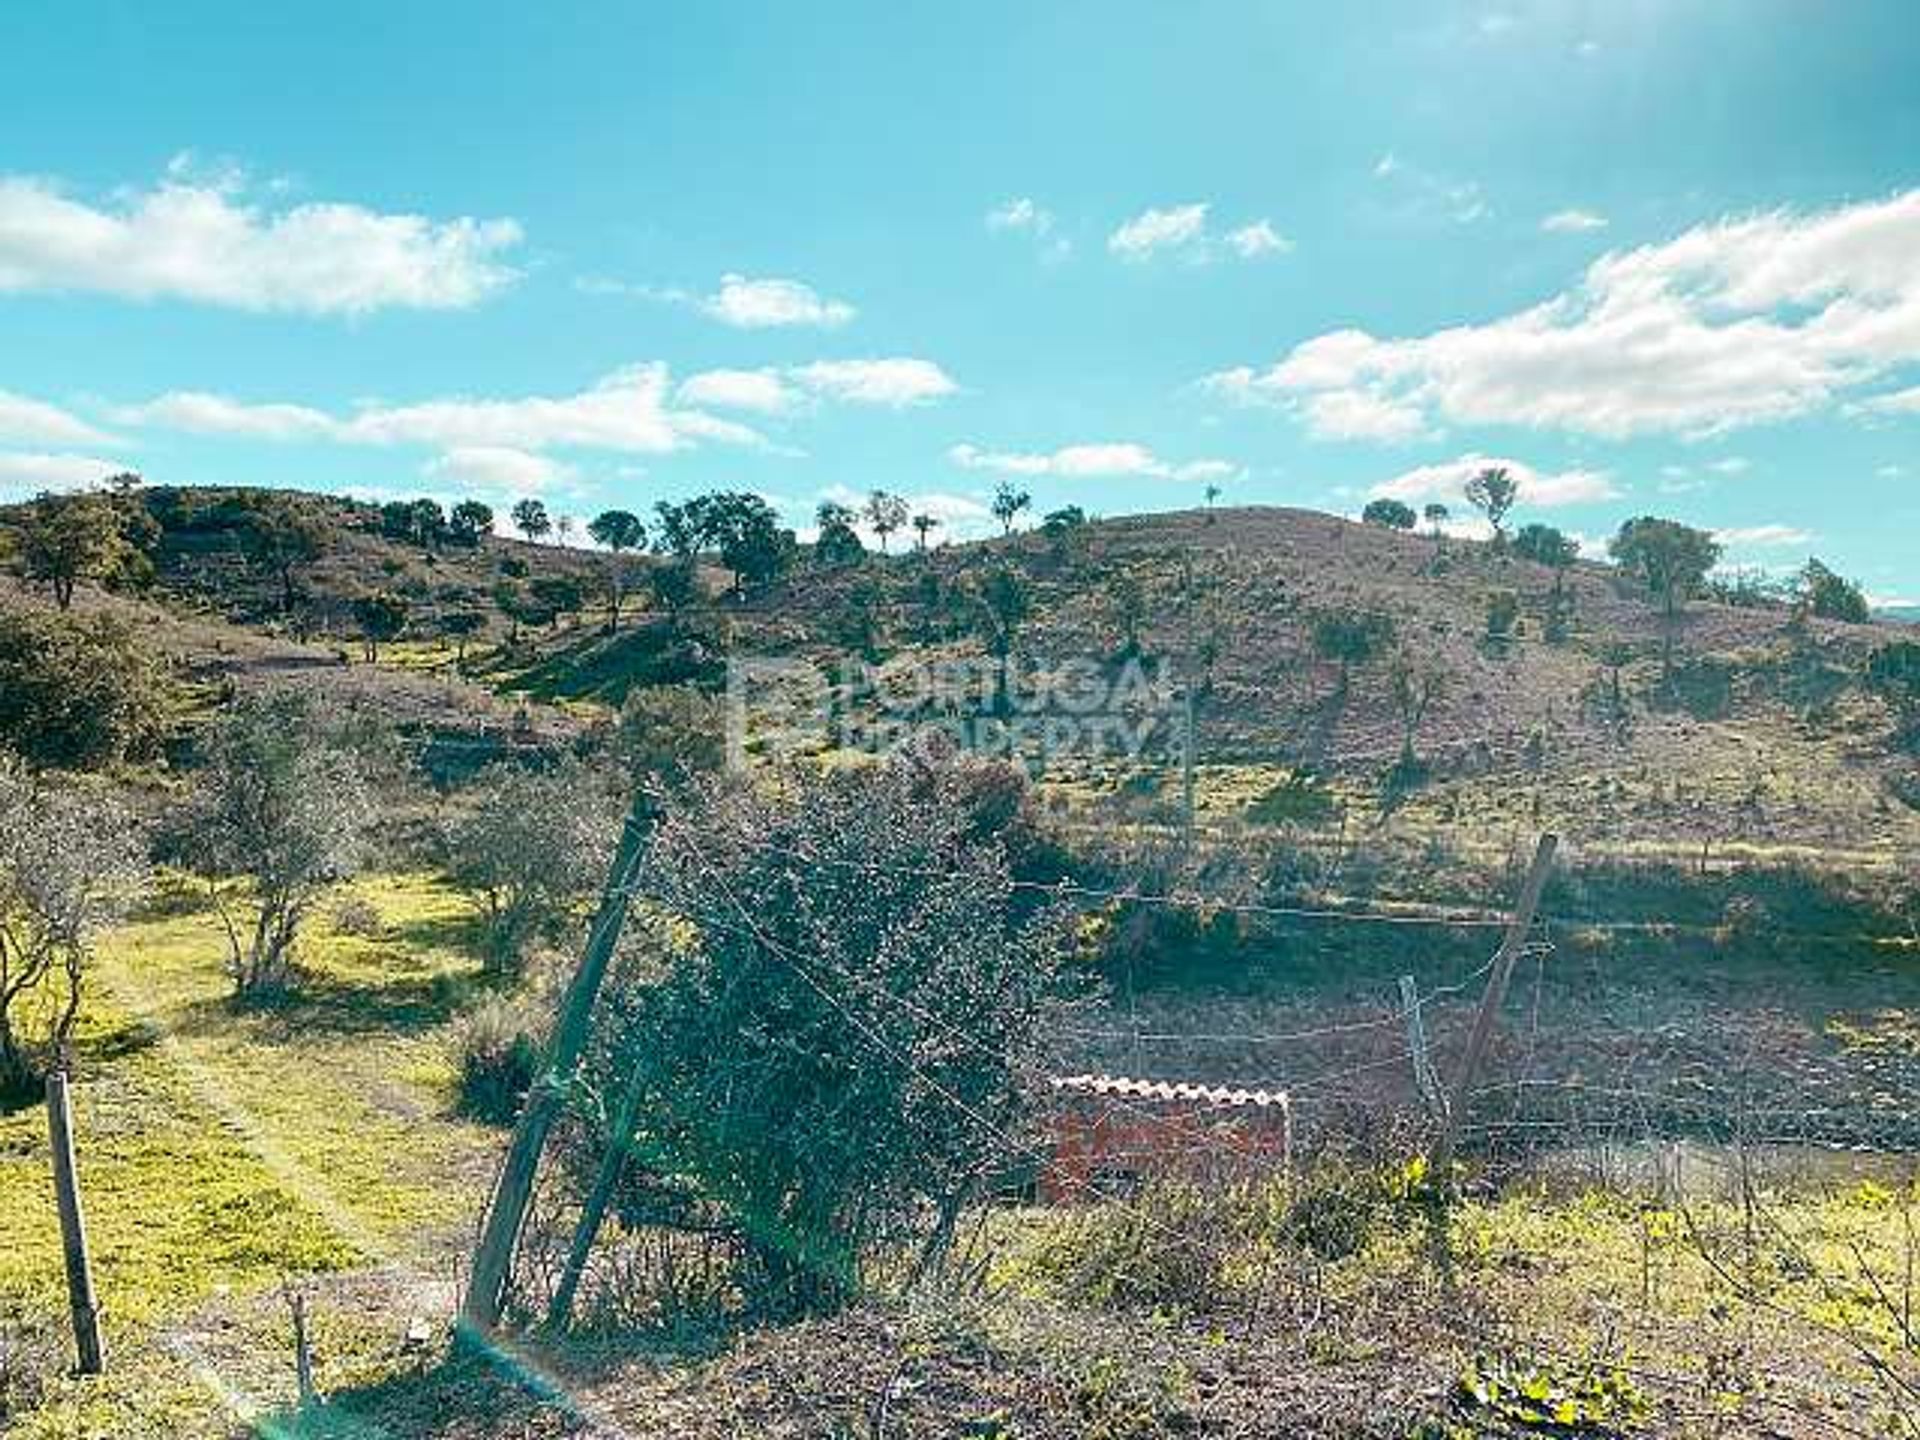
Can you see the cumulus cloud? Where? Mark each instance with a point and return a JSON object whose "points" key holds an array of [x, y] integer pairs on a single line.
{"points": [[628, 411], [1108, 460], [34, 422], [1182, 230], [497, 467], [1021, 213], [1573, 222], [201, 412], [1250, 242], [1545, 490], [28, 473], [896, 382], [1729, 324], [1154, 231], [759, 390], [750, 304], [209, 241]]}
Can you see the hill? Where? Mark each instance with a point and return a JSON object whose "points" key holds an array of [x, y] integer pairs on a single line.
{"points": [[1556, 699]]}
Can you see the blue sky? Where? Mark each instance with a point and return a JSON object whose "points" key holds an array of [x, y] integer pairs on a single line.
{"points": [[1656, 256]]}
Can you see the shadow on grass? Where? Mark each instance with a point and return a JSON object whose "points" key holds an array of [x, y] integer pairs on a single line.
{"points": [[325, 1004], [521, 1391]]}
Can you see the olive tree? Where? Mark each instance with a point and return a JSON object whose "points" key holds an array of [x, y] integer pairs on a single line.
{"points": [[837, 1032], [1492, 492], [620, 531], [70, 862], [1670, 559], [282, 805], [530, 845]]}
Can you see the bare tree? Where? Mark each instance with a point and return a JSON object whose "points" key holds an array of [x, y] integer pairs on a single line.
{"points": [[70, 862], [283, 806]]}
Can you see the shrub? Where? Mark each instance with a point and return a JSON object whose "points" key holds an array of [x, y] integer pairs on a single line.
{"points": [[496, 1053], [531, 847], [835, 1045], [80, 691]]}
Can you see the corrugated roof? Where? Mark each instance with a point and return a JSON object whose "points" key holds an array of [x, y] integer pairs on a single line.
{"points": [[1121, 1087]]}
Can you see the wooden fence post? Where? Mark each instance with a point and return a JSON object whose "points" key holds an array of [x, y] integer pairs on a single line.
{"points": [[1511, 944], [513, 1190], [73, 1227]]}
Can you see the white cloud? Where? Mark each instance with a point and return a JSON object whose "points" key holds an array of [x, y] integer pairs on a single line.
{"points": [[1899, 402], [1089, 462], [208, 241], [1182, 230], [627, 411], [1730, 465], [1250, 242], [896, 382], [29, 473], [1447, 482], [34, 422], [1155, 231], [633, 411], [199, 412], [1754, 537], [498, 467], [1729, 324], [766, 304], [1021, 213], [1024, 215], [1573, 222], [758, 390]]}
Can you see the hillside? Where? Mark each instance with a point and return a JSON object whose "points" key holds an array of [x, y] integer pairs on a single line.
{"points": [[1761, 737]]}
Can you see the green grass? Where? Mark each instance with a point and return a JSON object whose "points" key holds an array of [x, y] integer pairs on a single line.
{"points": [[223, 1148]]}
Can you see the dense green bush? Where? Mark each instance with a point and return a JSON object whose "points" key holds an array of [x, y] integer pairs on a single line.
{"points": [[496, 1053], [79, 691]]}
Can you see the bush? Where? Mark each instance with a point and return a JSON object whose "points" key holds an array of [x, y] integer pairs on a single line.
{"points": [[496, 1054], [80, 691]]}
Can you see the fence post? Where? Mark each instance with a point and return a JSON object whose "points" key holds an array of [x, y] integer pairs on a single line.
{"points": [[1425, 1081], [513, 1190], [73, 1227], [1511, 944]]}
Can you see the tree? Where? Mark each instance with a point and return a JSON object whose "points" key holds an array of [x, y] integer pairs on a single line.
{"points": [[886, 513], [470, 522], [923, 526], [1129, 600], [282, 534], [70, 862], [530, 845], [1544, 545], [838, 543], [530, 518], [1829, 596], [1417, 681], [675, 586], [1350, 638], [429, 523], [65, 539], [1213, 494], [619, 531], [1436, 515], [282, 805], [1008, 502], [1670, 559], [670, 734], [746, 532], [680, 532], [1002, 604], [1492, 492], [558, 595], [381, 616], [462, 625], [833, 1053], [1391, 514], [80, 692]]}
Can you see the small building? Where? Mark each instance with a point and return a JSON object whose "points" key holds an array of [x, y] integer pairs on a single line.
{"points": [[1111, 1134]]}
